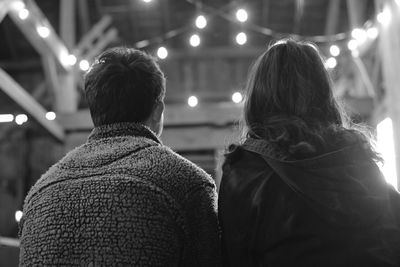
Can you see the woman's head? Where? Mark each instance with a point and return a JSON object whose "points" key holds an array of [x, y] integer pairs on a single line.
{"points": [[289, 82], [290, 104]]}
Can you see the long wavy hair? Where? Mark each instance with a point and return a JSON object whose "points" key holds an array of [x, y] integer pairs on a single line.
{"points": [[290, 104]]}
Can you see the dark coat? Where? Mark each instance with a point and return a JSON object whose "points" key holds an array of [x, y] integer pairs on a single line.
{"points": [[332, 210], [121, 199]]}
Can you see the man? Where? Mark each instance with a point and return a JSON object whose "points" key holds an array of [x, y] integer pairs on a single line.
{"points": [[122, 198]]}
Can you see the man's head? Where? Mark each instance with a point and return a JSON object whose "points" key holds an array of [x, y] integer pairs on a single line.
{"points": [[126, 85]]}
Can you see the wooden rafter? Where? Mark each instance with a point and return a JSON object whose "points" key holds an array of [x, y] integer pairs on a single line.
{"points": [[28, 103], [49, 45]]}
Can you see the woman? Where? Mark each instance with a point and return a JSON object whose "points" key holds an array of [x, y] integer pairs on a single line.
{"points": [[303, 187]]}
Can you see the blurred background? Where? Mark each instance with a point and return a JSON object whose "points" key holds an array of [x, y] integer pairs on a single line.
{"points": [[205, 49]]}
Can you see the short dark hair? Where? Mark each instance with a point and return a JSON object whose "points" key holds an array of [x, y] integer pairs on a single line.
{"points": [[123, 85]]}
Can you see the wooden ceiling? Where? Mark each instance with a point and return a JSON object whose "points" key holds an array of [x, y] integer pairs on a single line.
{"points": [[136, 20]]}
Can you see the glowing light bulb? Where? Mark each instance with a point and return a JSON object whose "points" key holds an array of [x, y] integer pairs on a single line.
{"points": [[334, 50], [21, 119], [241, 15], [201, 22], [237, 97], [241, 38], [352, 45], [372, 32], [193, 101], [194, 40], [51, 116], [360, 35], [147, 1], [84, 65], [23, 14], [68, 59], [43, 31], [384, 17], [331, 63], [162, 52], [18, 215]]}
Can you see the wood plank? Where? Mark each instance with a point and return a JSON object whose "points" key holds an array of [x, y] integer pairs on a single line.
{"points": [[29, 104]]}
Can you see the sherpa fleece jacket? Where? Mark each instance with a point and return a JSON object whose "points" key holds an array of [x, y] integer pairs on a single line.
{"points": [[121, 199]]}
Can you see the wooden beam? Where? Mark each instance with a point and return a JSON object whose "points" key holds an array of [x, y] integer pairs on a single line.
{"points": [[101, 44], [4, 7], [67, 22], [179, 138], [29, 104], [389, 44], [83, 13], [356, 9], [52, 44], [51, 75], [369, 88], [88, 39], [67, 95], [332, 17], [175, 115]]}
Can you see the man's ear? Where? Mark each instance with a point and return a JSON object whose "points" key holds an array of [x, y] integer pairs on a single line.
{"points": [[158, 111]]}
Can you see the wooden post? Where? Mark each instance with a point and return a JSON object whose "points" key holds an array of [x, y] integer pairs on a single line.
{"points": [[67, 96], [332, 17], [389, 43]]}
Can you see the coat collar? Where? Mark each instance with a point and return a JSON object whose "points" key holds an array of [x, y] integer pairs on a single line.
{"points": [[123, 129]]}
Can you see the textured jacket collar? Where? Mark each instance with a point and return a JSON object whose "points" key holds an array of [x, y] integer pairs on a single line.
{"points": [[123, 129]]}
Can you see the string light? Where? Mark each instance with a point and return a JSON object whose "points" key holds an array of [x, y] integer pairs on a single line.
{"points": [[18, 216], [352, 44], [21, 119], [51, 116], [372, 32], [162, 52], [192, 101], [241, 15], [237, 97], [84, 65], [194, 40], [6, 117], [384, 17], [331, 63], [241, 38], [201, 22], [23, 14], [43, 31], [359, 35], [334, 50], [68, 59]]}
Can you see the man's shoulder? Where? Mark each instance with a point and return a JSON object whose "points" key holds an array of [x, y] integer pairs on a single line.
{"points": [[171, 165]]}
